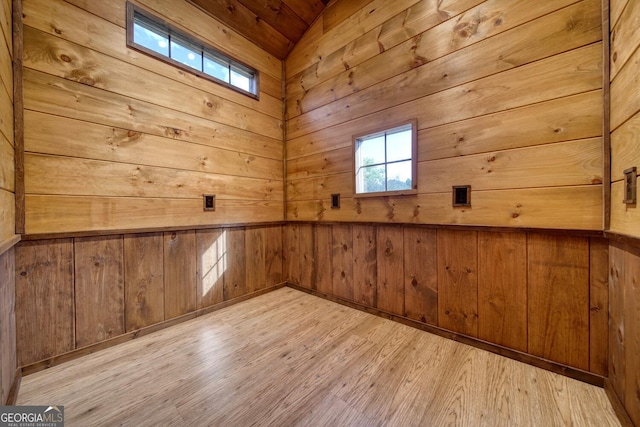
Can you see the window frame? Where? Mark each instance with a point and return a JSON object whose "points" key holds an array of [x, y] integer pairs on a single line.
{"points": [[414, 159], [207, 49]]}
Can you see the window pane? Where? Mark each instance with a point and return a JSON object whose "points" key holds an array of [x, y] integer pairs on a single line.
{"points": [[186, 54], [399, 145], [240, 80], [370, 179], [216, 68], [151, 39], [399, 176], [371, 151]]}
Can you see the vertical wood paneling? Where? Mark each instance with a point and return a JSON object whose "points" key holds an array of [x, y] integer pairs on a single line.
{"points": [[342, 261], [45, 311], [598, 305], [307, 259], [235, 277], [255, 266], [324, 259], [390, 271], [502, 289], [558, 299], [632, 339], [99, 289], [617, 363], [273, 255], [365, 273], [143, 280], [211, 263], [179, 273], [421, 274], [8, 361], [458, 281], [292, 254]]}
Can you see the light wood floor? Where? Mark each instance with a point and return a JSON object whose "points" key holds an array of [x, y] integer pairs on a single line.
{"points": [[288, 358]]}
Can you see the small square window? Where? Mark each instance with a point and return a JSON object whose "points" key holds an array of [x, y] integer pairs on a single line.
{"points": [[385, 160]]}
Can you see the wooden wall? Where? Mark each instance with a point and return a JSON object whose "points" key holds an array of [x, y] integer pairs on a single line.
{"points": [[7, 182], [8, 362], [117, 140], [508, 97], [77, 292], [624, 281], [542, 294]]}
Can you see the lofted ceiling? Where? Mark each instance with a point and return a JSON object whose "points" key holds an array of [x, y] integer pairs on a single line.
{"points": [[274, 25]]}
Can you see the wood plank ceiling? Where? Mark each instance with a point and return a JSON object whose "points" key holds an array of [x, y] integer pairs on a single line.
{"points": [[274, 25]]}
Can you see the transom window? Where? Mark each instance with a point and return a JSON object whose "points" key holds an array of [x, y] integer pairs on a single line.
{"points": [[385, 160], [151, 35]]}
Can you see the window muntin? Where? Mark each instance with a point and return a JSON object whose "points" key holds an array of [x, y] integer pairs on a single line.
{"points": [[385, 161], [153, 36]]}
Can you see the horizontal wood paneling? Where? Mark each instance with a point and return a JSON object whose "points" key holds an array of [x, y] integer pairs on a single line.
{"points": [[556, 207], [625, 35], [7, 215], [146, 133], [541, 294], [526, 115], [625, 102], [88, 290]]}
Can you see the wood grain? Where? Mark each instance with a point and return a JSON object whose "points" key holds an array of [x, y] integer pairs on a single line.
{"points": [[179, 273], [625, 37], [308, 263], [323, 255], [8, 357], [99, 289], [364, 370], [44, 299], [632, 338], [211, 262], [617, 331], [342, 260], [143, 280], [291, 245], [235, 277], [558, 299], [502, 289], [365, 272], [421, 275], [256, 276], [273, 255], [458, 281], [390, 269], [598, 305]]}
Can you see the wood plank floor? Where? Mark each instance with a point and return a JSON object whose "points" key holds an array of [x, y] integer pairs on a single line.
{"points": [[288, 358]]}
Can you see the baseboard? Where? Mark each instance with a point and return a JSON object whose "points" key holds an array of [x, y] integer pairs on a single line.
{"points": [[12, 397], [74, 354], [527, 358], [618, 406]]}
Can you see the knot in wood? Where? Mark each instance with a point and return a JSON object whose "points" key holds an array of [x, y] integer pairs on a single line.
{"points": [[65, 58], [414, 282]]}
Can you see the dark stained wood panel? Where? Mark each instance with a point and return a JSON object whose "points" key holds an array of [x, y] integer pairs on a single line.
{"points": [[307, 259], [342, 261], [99, 289], [255, 256], [323, 259], [45, 312], [421, 275], [502, 289], [598, 305], [365, 273], [235, 277], [458, 281], [558, 299], [308, 10], [291, 243], [632, 343], [143, 280], [273, 255], [8, 361], [211, 263], [390, 272], [179, 273]]}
